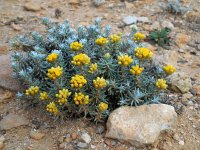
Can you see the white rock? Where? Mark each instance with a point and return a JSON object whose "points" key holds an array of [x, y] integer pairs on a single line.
{"points": [[143, 19], [98, 2], [86, 138], [181, 142], [140, 125], [130, 20], [167, 24]]}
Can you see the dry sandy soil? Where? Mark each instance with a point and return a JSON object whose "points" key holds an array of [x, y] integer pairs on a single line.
{"points": [[15, 20]]}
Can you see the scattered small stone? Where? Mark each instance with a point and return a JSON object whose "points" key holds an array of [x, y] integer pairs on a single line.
{"points": [[67, 139], [181, 142], [93, 146], [176, 137], [58, 13], [2, 139], [36, 135], [5, 96], [155, 25], [61, 139], [12, 121], [197, 89], [130, 20], [193, 92], [4, 49], [82, 145], [98, 2], [30, 6], [16, 27], [187, 96], [74, 136], [167, 24], [74, 2], [182, 39], [180, 82], [63, 145], [100, 129], [86, 137], [143, 19]]}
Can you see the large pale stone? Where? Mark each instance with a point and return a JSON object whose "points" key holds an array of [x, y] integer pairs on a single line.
{"points": [[6, 79], [12, 121], [140, 125]]}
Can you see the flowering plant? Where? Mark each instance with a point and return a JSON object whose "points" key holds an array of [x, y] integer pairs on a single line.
{"points": [[87, 72]]}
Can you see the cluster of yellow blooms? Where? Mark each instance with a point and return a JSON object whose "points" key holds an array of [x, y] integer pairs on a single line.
{"points": [[138, 37], [76, 46], [52, 108], [161, 84], [136, 70], [143, 53], [93, 68], [125, 60], [52, 57], [33, 90], [169, 69], [78, 81], [101, 41], [99, 83], [115, 38], [103, 106], [54, 72], [80, 59], [62, 96], [44, 96], [81, 99]]}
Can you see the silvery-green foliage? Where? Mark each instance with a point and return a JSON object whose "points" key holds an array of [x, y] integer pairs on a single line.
{"points": [[30, 66]]}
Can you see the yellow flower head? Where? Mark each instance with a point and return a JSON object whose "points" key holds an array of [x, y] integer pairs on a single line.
{"points": [[115, 38], [161, 84], [44, 96], [81, 99], [54, 72], [52, 108], [78, 81], [136, 70], [33, 90], [101, 41], [107, 55], [125, 60], [138, 37], [76, 46], [80, 59], [169, 69], [103, 106], [93, 68], [52, 57], [143, 53], [62, 96], [99, 83]]}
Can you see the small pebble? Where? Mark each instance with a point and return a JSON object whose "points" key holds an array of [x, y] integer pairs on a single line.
{"points": [[181, 143]]}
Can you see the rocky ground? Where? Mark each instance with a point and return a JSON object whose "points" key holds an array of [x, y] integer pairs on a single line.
{"points": [[25, 127]]}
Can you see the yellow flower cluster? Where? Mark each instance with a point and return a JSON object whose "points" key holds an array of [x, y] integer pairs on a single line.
{"points": [[76, 46], [161, 84], [99, 83], [81, 99], [103, 106], [107, 55], [33, 90], [136, 70], [52, 108], [169, 69], [52, 57], [138, 37], [78, 81], [101, 41], [115, 38], [125, 60], [54, 72], [80, 59], [44, 96], [93, 68], [143, 53], [62, 96]]}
